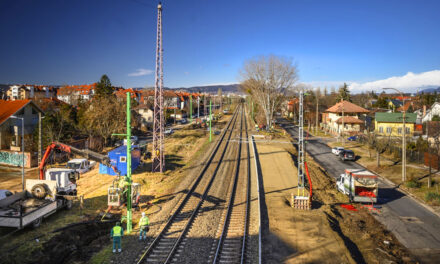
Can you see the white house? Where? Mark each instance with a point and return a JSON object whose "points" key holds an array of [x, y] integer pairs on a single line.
{"points": [[434, 110]]}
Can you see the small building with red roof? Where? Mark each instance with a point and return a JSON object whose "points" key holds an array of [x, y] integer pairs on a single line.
{"points": [[11, 128], [343, 117]]}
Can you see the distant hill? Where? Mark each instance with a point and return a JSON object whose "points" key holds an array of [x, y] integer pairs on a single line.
{"points": [[212, 89], [430, 90]]}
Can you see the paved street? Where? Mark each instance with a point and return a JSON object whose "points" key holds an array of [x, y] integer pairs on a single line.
{"points": [[415, 226]]}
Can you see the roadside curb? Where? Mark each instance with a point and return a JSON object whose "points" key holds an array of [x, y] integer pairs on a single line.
{"points": [[410, 195]]}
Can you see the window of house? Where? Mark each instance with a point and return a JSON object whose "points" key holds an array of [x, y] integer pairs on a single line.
{"points": [[389, 129], [399, 130], [122, 159], [407, 130], [380, 129]]}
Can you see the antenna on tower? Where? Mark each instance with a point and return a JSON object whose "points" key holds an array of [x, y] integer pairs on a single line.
{"points": [[158, 123]]}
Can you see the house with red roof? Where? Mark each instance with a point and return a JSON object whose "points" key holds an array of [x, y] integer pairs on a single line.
{"points": [[72, 94], [11, 129], [343, 118]]}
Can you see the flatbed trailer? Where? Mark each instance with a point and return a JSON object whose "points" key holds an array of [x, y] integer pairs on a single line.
{"points": [[22, 209]]}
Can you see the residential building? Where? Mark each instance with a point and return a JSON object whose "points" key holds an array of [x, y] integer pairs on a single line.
{"points": [[390, 124], [121, 94], [146, 114], [431, 112], [343, 117], [72, 94], [11, 130], [394, 104], [22, 92]]}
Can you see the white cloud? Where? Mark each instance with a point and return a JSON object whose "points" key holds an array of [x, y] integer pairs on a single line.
{"points": [[141, 72], [406, 83], [323, 84]]}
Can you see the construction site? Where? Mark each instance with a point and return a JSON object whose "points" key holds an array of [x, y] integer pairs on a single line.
{"points": [[245, 177]]}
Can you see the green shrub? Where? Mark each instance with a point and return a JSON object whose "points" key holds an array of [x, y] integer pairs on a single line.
{"points": [[432, 196], [412, 184]]}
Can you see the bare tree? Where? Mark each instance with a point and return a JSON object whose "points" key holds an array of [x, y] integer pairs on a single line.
{"points": [[266, 79], [379, 144]]}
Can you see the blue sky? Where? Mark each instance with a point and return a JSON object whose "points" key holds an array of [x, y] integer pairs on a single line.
{"points": [[207, 41]]}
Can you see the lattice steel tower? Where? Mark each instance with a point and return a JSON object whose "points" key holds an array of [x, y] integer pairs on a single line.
{"points": [[158, 123], [301, 142]]}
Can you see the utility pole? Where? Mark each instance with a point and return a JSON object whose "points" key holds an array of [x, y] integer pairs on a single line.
{"points": [[205, 106], [190, 108], [128, 179], [210, 120], [404, 145], [343, 125], [317, 113], [403, 135], [39, 138], [429, 154], [252, 103], [158, 163], [198, 106]]}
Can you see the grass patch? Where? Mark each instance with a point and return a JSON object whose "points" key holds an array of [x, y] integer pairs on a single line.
{"points": [[413, 184], [432, 197], [103, 256]]}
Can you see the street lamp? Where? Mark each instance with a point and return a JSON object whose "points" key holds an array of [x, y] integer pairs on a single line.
{"points": [[22, 150], [403, 136]]}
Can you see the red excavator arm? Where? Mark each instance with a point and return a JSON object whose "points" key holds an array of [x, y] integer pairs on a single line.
{"points": [[69, 149]]}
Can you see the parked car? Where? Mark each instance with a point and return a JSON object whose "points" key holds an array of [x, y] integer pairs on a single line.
{"points": [[352, 138], [80, 165], [169, 131], [5, 193], [183, 121], [133, 139], [336, 150], [225, 111], [346, 155]]}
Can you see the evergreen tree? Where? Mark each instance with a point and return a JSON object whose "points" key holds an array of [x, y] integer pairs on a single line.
{"points": [[104, 87], [344, 93]]}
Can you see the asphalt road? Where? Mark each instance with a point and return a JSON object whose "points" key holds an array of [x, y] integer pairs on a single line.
{"points": [[415, 227]]}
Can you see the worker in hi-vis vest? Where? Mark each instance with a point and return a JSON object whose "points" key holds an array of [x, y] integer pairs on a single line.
{"points": [[144, 226], [117, 233]]}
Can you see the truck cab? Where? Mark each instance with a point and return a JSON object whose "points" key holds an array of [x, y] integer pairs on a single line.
{"points": [[359, 184], [65, 180]]}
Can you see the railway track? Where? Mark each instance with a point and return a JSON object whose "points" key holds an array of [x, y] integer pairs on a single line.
{"points": [[230, 245], [163, 248]]}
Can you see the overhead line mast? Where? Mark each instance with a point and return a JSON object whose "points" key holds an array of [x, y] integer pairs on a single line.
{"points": [[158, 123]]}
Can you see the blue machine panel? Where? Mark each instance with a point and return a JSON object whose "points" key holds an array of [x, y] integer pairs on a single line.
{"points": [[118, 158]]}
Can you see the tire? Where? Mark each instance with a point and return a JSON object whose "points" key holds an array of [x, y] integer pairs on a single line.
{"points": [[39, 191], [37, 222], [69, 204]]}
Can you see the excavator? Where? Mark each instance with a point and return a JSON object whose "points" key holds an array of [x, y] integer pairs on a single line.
{"points": [[116, 192]]}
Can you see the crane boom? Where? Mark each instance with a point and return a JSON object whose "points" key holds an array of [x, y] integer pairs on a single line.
{"points": [[103, 159]]}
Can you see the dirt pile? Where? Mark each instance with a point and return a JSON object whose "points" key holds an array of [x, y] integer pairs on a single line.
{"points": [[77, 243], [367, 240]]}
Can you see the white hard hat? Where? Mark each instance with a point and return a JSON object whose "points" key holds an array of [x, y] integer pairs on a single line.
{"points": [[143, 213]]}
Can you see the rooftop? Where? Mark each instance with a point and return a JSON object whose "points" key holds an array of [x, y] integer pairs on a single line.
{"points": [[346, 107], [395, 117], [8, 108], [349, 120]]}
